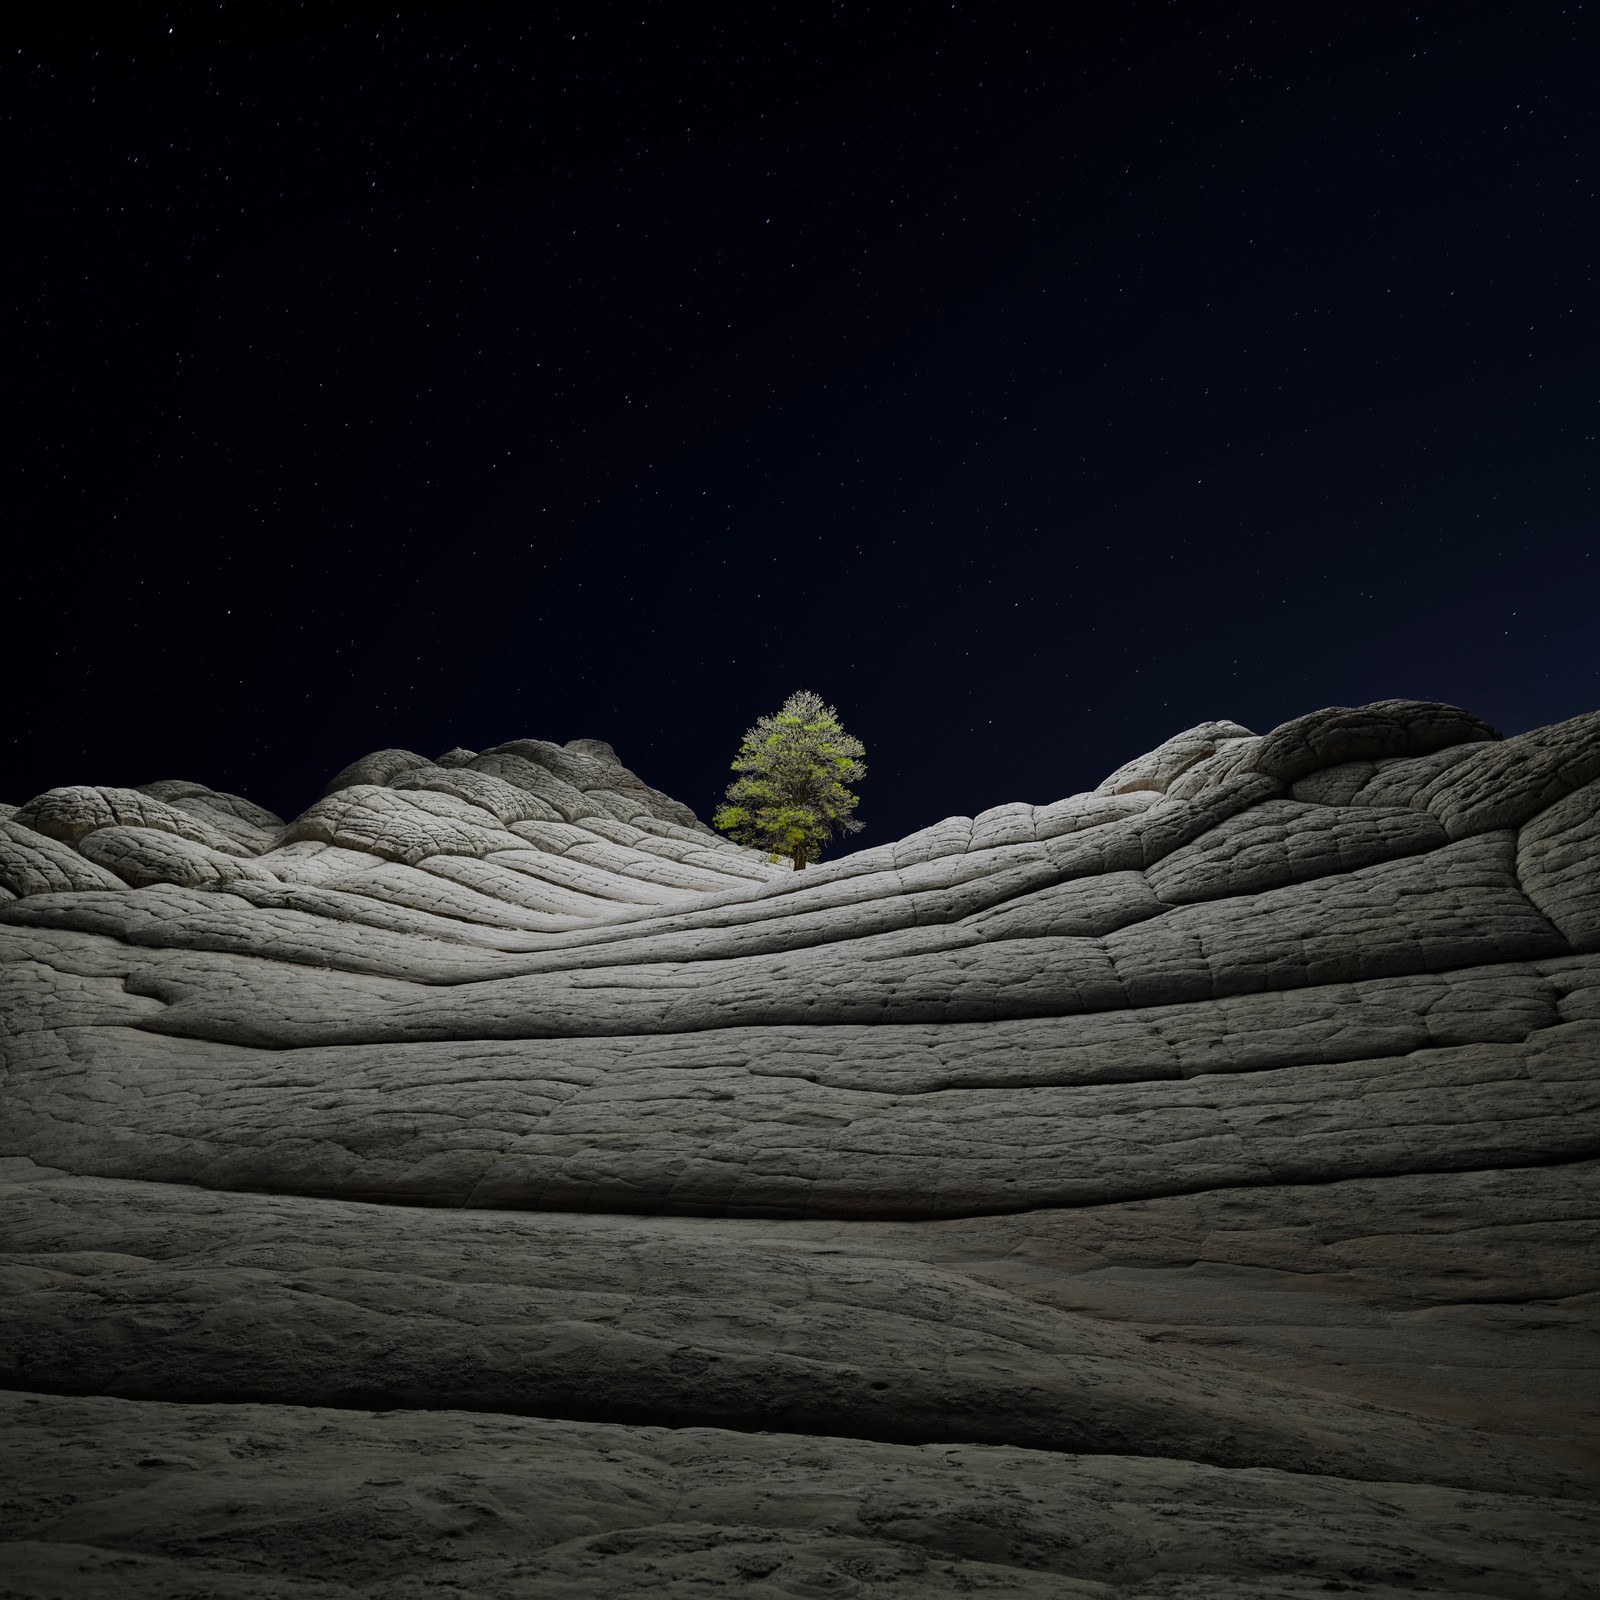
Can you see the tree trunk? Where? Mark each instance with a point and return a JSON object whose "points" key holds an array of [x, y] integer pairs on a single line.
{"points": [[799, 858]]}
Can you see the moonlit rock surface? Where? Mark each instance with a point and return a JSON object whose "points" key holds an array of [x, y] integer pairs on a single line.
{"points": [[493, 1183]]}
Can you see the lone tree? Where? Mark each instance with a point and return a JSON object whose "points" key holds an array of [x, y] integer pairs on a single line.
{"points": [[790, 796]]}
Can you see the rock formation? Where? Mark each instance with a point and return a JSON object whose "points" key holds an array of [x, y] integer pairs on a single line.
{"points": [[492, 1183]]}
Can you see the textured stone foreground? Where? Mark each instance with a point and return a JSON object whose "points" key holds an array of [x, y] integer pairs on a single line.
{"points": [[492, 1183]]}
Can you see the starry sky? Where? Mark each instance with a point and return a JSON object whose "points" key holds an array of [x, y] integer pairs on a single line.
{"points": [[1030, 389]]}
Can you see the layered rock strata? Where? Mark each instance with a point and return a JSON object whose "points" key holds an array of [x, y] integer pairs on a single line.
{"points": [[493, 1183]]}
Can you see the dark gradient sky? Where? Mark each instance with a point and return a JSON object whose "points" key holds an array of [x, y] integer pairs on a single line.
{"points": [[1030, 390]]}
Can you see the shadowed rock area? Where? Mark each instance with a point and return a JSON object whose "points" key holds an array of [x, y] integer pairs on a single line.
{"points": [[492, 1183]]}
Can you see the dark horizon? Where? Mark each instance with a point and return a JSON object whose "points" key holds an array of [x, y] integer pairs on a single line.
{"points": [[1030, 391]]}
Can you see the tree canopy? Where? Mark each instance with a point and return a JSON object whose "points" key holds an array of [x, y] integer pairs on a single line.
{"points": [[790, 797]]}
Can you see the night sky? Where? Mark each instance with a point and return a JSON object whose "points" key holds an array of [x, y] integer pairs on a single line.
{"points": [[1031, 390]]}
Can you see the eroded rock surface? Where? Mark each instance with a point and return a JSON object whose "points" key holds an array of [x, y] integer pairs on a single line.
{"points": [[491, 1182]]}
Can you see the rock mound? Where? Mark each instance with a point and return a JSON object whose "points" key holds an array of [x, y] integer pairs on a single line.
{"points": [[492, 1182]]}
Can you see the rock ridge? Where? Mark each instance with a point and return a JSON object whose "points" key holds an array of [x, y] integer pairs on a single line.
{"points": [[496, 1166]]}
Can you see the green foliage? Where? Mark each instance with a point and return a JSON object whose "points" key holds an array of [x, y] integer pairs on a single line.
{"points": [[790, 796]]}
